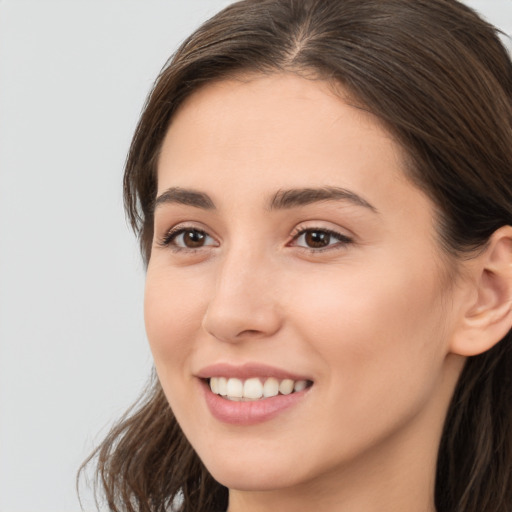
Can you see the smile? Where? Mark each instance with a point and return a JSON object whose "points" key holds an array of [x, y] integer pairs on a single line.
{"points": [[255, 388]]}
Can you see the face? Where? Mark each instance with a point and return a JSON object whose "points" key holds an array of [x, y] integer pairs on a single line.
{"points": [[291, 252]]}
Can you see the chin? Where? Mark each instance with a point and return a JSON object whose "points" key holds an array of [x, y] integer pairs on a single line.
{"points": [[252, 481], [246, 476]]}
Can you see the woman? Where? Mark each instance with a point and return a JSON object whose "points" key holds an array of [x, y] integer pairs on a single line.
{"points": [[323, 195]]}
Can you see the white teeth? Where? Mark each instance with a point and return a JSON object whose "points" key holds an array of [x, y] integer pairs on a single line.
{"points": [[286, 386], [300, 385], [222, 386], [253, 389], [235, 388], [271, 387]]}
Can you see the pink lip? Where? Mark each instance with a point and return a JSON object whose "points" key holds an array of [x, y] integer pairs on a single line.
{"points": [[247, 371], [249, 413]]}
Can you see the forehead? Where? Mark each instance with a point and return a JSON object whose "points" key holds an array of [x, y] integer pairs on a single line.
{"points": [[274, 126]]}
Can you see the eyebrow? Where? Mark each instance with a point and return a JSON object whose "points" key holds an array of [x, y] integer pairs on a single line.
{"points": [[282, 200], [186, 197], [285, 199]]}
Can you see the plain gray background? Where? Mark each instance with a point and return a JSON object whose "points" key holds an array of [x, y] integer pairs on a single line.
{"points": [[73, 77]]}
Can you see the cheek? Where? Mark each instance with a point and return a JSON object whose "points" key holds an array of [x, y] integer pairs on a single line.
{"points": [[378, 344], [373, 331], [172, 314]]}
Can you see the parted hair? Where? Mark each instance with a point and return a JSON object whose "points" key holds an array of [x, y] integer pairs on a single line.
{"points": [[439, 78]]}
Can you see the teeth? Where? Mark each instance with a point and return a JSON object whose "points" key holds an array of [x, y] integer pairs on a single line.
{"points": [[271, 387], [235, 388], [214, 386], [286, 386], [253, 389], [222, 386], [300, 385]]}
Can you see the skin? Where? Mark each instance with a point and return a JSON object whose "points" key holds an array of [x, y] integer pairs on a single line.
{"points": [[370, 322]]}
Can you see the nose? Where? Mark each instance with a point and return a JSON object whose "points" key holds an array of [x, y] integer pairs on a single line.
{"points": [[244, 301]]}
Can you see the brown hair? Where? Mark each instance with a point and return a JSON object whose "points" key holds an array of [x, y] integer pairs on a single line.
{"points": [[438, 77]]}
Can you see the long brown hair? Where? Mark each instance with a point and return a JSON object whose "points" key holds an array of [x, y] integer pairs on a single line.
{"points": [[439, 78]]}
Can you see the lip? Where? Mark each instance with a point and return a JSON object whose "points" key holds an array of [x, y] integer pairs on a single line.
{"points": [[252, 412], [249, 413], [247, 371]]}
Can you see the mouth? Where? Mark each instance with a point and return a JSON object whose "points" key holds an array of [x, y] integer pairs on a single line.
{"points": [[251, 393], [254, 388]]}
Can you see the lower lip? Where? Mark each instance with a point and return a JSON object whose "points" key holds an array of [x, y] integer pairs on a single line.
{"points": [[249, 413]]}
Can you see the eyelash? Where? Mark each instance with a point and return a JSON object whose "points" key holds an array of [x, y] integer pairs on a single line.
{"points": [[169, 238], [343, 240]]}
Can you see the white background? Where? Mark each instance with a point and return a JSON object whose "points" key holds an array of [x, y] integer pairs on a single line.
{"points": [[73, 77]]}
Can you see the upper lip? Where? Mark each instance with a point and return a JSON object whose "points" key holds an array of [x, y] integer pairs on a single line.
{"points": [[247, 371]]}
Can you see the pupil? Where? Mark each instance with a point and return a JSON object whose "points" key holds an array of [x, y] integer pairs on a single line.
{"points": [[317, 239], [193, 239]]}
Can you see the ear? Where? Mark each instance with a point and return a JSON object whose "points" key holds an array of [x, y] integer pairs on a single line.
{"points": [[487, 312]]}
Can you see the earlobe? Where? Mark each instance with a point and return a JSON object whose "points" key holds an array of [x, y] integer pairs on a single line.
{"points": [[487, 317]]}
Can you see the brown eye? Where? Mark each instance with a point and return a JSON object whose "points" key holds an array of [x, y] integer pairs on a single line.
{"points": [[188, 238], [193, 239], [317, 239]]}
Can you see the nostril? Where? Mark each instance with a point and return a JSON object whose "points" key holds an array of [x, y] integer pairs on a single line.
{"points": [[249, 332]]}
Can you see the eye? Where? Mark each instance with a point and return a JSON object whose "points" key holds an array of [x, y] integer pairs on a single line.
{"points": [[187, 238], [319, 238]]}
